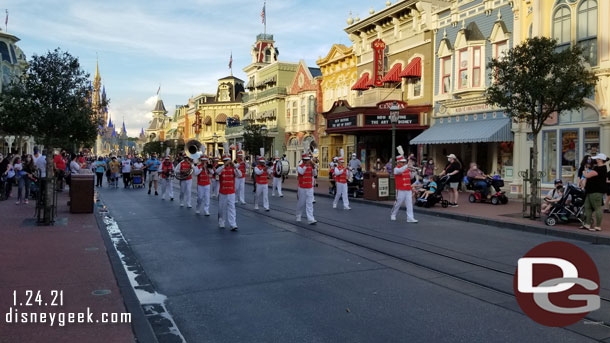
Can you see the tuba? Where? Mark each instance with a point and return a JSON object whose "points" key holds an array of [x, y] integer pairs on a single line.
{"points": [[194, 150]]}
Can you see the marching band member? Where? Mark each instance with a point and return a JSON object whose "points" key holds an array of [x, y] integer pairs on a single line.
{"points": [[306, 172], [277, 179], [167, 169], [185, 185], [203, 174], [214, 183], [262, 189], [402, 177], [240, 182], [340, 175], [226, 198]]}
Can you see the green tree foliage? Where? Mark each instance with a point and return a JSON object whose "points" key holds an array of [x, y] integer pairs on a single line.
{"points": [[536, 80], [253, 138], [50, 102], [151, 147]]}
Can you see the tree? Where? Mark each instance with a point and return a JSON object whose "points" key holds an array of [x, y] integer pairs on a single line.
{"points": [[253, 138], [536, 80], [50, 102], [151, 147]]}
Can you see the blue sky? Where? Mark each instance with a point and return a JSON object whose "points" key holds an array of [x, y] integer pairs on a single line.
{"points": [[183, 45]]}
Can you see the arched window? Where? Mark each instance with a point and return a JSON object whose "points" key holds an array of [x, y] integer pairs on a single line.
{"points": [[268, 56], [587, 30], [4, 52], [562, 26]]}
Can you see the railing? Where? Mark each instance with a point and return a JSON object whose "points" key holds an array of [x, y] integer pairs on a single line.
{"points": [[268, 92], [263, 36]]}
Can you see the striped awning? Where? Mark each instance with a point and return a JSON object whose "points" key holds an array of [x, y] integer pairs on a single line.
{"points": [[362, 82], [413, 69], [207, 120], [393, 75], [480, 131], [221, 118]]}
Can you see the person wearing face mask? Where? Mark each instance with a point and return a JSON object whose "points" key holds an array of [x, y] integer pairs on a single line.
{"points": [[553, 196], [454, 170], [429, 169], [594, 191], [152, 166]]}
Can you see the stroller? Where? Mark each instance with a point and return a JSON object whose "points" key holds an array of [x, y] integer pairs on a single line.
{"points": [[436, 197], [137, 178], [355, 188], [570, 207], [497, 197]]}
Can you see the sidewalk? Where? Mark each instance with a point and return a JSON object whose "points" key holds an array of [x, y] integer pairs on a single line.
{"points": [[506, 216], [70, 257]]}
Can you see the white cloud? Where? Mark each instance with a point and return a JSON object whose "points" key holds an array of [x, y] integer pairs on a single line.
{"points": [[137, 115]]}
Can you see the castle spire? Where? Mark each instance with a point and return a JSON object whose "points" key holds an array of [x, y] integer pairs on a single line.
{"points": [[97, 71]]}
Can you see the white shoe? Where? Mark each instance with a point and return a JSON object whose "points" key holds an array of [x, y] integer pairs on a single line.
{"points": [[197, 212], [298, 219], [281, 195], [267, 209], [181, 205], [347, 208], [311, 222], [272, 194], [207, 214], [334, 205], [189, 206], [221, 226], [412, 220], [392, 218], [314, 201], [243, 203], [256, 207]]}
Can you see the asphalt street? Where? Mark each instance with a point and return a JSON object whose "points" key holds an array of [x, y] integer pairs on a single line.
{"points": [[355, 276]]}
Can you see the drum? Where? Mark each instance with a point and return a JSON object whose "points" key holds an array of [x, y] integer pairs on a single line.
{"points": [[282, 168]]}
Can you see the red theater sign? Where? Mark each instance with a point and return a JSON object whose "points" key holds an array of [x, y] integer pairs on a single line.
{"points": [[379, 50]]}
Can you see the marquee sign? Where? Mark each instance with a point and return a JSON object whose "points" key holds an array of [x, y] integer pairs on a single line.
{"points": [[341, 122], [378, 52]]}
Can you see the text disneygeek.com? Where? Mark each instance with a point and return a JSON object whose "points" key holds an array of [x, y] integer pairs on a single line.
{"points": [[15, 316]]}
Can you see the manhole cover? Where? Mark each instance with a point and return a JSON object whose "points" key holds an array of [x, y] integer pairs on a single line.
{"points": [[101, 292], [92, 249]]}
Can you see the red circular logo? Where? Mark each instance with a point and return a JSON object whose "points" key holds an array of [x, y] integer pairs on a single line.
{"points": [[557, 284]]}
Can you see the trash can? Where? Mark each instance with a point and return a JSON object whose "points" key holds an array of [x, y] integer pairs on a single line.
{"points": [[81, 192], [370, 186]]}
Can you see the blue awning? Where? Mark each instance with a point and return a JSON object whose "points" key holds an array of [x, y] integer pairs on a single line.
{"points": [[479, 131]]}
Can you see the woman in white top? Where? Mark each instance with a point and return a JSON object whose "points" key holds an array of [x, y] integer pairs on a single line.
{"points": [[74, 166]]}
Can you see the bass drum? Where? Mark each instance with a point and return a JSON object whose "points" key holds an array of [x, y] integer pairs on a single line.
{"points": [[282, 168]]}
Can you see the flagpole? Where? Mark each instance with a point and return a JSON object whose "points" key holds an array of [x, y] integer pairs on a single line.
{"points": [[265, 21]]}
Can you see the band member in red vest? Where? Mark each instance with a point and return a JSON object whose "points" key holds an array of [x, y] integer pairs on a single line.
{"points": [[402, 176], [167, 173], [214, 184], [306, 172], [277, 178], [226, 199], [204, 174], [185, 185], [240, 182], [262, 189], [340, 175]]}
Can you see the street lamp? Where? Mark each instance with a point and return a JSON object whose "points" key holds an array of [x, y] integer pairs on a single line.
{"points": [[394, 112], [161, 147], [215, 140], [264, 133]]}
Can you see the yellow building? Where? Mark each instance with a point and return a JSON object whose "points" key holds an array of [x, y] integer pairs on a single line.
{"points": [[570, 136], [339, 73]]}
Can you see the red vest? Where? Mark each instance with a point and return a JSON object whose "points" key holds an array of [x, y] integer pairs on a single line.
{"points": [[203, 179], [261, 179], [166, 168], [343, 177], [306, 180], [403, 181], [185, 167], [242, 168], [227, 181]]}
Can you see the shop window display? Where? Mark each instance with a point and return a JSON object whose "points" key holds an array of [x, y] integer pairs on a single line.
{"points": [[549, 156], [591, 141], [569, 154]]}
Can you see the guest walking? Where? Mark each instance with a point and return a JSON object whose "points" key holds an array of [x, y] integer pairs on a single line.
{"points": [[100, 168], [594, 192]]}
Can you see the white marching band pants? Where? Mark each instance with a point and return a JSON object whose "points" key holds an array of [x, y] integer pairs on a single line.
{"points": [[185, 191], [341, 193], [240, 189], [226, 210], [203, 197], [407, 198], [305, 202], [262, 190], [214, 187], [166, 187], [277, 184]]}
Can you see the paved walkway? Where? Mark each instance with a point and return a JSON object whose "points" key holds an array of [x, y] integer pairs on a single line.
{"points": [[484, 213], [68, 257]]}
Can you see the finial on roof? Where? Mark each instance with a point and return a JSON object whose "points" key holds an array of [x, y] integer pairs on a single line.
{"points": [[388, 3], [445, 33], [463, 24], [499, 15], [372, 10], [350, 20]]}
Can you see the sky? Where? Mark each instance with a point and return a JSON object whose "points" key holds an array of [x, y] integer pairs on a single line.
{"points": [[182, 46]]}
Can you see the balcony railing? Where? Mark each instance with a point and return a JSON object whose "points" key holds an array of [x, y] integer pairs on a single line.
{"points": [[375, 95], [234, 130], [263, 36], [266, 93]]}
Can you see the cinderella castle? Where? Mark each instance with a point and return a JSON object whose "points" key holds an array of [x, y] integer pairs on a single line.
{"points": [[110, 140]]}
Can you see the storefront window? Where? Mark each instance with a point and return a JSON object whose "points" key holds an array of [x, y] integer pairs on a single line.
{"points": [[505, 159], [324, 157], [569, 154], [591, 141], [549, 156], [463, 68]]}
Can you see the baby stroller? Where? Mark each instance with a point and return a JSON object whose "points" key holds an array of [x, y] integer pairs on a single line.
{"points": [[570, 207], [496, 197], [355, 188], [137, 178], [436, 197]]}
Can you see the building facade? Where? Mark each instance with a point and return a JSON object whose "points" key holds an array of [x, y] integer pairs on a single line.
{"points": [[301, 113], [394, 59], [265, 100], [468, 35], [568, 137], [339, 73], [158, 126]]}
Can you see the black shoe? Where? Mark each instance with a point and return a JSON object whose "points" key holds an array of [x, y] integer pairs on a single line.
{"points": [[156, 193], [234, 228], [171, 199], [149, 191]]}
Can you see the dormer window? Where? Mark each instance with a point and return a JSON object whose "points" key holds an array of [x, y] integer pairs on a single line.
{"points": [[268, 56]]}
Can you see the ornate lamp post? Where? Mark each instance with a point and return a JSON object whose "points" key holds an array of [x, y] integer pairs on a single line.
{"points": [[215, 140], [264, 131], [394, 115], [162, 148]]}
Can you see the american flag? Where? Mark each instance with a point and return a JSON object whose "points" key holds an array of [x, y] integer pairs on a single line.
{"points": [[263, 12], [231, 61], [158, 89], [6, 20]]}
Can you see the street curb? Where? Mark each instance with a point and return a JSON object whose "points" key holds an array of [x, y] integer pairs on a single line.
{"points": [[142, 330], [549, 231]]}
